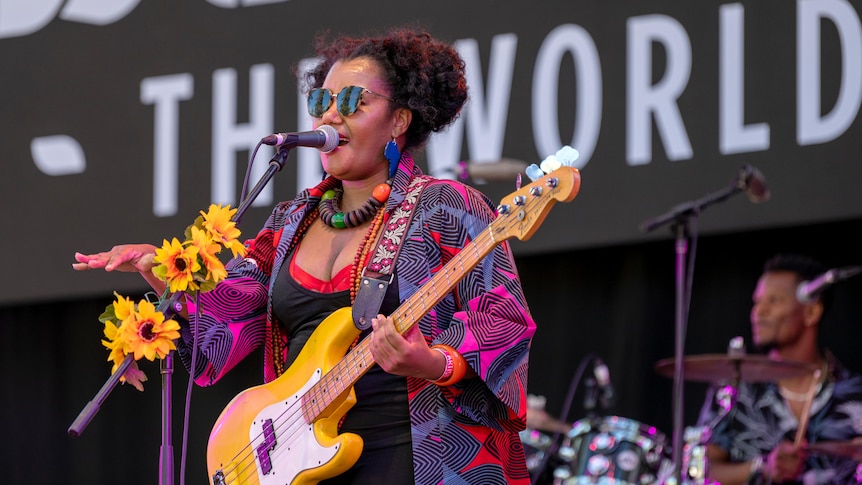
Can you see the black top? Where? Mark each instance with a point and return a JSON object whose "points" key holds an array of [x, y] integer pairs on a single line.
{"points": [[380, 415]]}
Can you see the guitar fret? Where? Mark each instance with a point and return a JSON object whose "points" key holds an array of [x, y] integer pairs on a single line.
{"points": [[313, 402]]}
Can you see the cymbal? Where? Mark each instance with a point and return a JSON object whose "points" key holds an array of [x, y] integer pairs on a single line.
{"points": [[723, 367], [849, 449]]}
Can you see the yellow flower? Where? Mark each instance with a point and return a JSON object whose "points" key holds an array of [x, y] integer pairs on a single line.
{"points": [[191, 265], [115, 345], [207, 249], [177, 265], [123, 307], [217, 221], [148, 334]]}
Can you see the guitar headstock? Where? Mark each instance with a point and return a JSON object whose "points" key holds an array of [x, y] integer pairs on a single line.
{"points": [[521, 212]]}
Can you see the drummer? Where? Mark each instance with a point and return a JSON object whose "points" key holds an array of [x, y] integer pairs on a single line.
{"points": [[757, 442]]}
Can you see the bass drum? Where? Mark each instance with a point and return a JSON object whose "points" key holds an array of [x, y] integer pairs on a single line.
{"points": [[611, 450]]}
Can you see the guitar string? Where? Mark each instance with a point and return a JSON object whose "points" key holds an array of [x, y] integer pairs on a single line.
{"points": [[315, 389], [286, 418]]}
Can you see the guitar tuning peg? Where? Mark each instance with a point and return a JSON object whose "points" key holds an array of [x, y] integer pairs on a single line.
{"points": [[518, 182]]}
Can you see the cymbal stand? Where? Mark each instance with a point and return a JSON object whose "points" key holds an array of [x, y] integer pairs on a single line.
{"points": [[697, 438]]}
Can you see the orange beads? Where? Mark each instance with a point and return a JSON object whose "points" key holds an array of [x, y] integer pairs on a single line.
{"points": [[381, 192]]}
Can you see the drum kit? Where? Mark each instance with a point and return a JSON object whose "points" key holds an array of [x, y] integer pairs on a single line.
{"points": [[606, 450]]}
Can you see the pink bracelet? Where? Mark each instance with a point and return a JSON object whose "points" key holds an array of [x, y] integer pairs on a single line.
{"points": [[456, 366]]}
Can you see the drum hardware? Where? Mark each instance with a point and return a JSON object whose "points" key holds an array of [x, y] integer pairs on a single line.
{"points": [[536, 444], [611, 450], [558, 426], [695, 466], [540, 439]]}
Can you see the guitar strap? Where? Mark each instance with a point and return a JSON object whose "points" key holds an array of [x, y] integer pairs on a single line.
{"points": [[378, 275]]}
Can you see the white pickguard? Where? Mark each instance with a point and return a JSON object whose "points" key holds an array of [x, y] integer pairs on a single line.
{"points": [[295, 449]]}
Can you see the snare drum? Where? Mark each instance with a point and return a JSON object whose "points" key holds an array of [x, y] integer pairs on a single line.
{"points": [[611, 450]]}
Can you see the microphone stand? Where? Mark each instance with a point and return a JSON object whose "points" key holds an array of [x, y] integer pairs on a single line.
{"points": [[679, 217], [170, 306]]}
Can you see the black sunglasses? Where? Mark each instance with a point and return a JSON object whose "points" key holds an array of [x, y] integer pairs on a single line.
{"points": [[347, 100]]}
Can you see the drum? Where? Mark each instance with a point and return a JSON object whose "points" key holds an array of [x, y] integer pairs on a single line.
{"points": [[611, 450], [536, 445]]}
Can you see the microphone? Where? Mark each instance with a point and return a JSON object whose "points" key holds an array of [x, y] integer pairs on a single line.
{"points": [[753, 182], [603, 379], [747, 178], [503, 170], [808, 291], [325, 139]]}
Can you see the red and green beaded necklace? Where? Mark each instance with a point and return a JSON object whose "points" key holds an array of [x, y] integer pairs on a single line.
{"points": [[332, 217]]}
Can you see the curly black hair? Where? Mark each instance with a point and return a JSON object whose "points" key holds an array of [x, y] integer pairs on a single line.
{"points": [[804, 267], [426, 75]]}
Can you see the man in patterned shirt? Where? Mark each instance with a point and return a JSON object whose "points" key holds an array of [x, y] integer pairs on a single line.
{"points": [[754, 443]]}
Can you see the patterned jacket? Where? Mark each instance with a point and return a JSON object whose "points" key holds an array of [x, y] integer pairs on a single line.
{"points": [[473, 426]]}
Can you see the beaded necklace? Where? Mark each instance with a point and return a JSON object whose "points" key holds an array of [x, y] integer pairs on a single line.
{"points": [[332, 217], [355, 273]]}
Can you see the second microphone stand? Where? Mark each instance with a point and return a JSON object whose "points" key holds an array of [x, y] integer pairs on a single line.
{"points": [[683, 220], [171, 306]]}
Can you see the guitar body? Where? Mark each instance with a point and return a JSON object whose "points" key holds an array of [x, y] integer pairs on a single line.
{"points": [[263, 437]]}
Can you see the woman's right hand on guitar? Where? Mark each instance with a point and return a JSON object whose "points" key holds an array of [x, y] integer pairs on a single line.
{"points": [[125, 257]]}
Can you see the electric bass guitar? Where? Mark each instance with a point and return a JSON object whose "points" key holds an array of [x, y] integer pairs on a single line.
{"points": [[286, 431]]}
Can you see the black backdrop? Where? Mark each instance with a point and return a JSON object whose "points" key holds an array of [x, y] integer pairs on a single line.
{"points": [[595, 283]]}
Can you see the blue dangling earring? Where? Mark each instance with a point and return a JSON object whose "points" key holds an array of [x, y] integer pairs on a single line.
{"points": [[393, 154]]}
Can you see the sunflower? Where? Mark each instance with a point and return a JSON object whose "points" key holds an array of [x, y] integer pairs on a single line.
{"points": [[120, 310], [217, 221], [177, 265], [207, 250], [148, 334], [114, 344], [139, 330], [123, 307]]}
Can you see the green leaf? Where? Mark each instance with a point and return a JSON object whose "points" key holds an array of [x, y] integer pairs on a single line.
{"points": [[108, 314]]}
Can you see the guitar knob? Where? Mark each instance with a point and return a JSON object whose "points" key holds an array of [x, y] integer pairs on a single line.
{"points": [[504, 209], [536, 191], [519, 200], [552, 182]]}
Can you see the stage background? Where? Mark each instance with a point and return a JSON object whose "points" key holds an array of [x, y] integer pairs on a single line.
{"points": [[122, 119]]}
